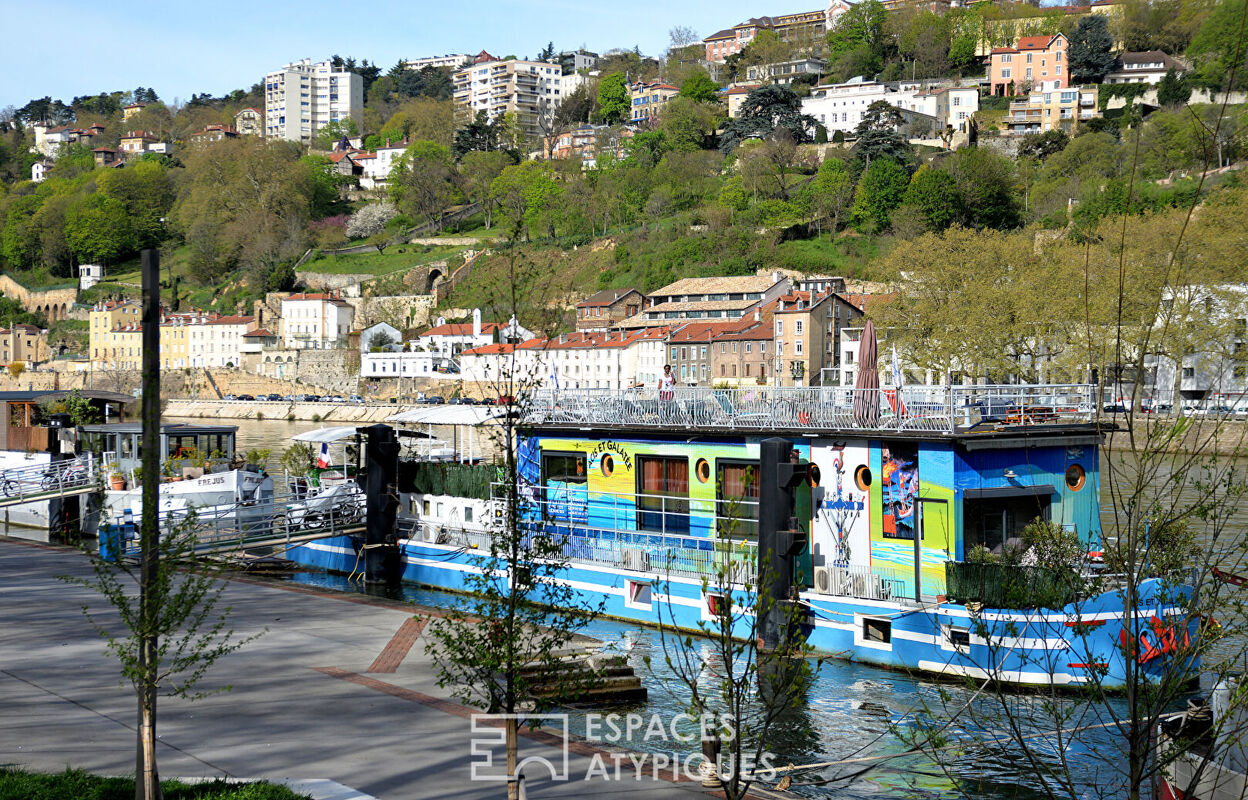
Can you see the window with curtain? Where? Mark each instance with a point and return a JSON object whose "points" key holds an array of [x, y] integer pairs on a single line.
{"points": [[736, 496], [663, 494]]}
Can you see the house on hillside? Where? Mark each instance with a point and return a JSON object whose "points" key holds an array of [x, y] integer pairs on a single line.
{"points": [[1148, 67], [1035, 61], [605, 309]]}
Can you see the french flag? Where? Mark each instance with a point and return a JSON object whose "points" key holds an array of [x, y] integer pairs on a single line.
{"points": [[322, 461]]}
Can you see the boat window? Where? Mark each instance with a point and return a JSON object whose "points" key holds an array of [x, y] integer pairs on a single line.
{"points": [[958, 637], [663, 494], [736, 495], [877, 630], [995, 523], [564, 487]]}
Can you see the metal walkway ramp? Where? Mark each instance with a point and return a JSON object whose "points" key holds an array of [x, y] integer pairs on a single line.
{"points": [[75, 476]]}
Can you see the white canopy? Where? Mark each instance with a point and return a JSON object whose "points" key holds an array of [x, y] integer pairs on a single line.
{"points": [[448, 415], [326, 434]]}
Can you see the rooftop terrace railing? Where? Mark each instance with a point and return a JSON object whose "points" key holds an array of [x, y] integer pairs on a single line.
{"points": [[927, 409]]}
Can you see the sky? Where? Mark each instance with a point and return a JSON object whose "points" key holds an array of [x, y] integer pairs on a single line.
{"points": [[179, 48]]}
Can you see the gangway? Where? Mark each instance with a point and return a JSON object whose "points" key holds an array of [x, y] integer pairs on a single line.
{"points": [[283, 521], [37, 482]]}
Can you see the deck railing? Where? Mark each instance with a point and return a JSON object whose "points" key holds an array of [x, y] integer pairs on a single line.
{"points": [[930, 409]]}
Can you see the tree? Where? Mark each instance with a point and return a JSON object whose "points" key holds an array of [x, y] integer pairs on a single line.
{"points": [[1173, 89], [497, 648], [99, 229], [478, 170], [764, 165], [876, 144], [173, 631], [16, 368], [527, 194], [421, 118], [880, 190], [371, 220], [1090, 55], [1042, 145], [831, 193], [613, 99], [987, 185], [146, 191], [481, 134], [688, 125], [879, 116], [700, 88], [578, 107], [380, 341], [332, 133], [934, 194], [764, 110], [422, 180], [858, 40]]}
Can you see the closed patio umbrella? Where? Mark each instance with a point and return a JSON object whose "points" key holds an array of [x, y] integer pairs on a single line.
{"points": [[867, 384]]}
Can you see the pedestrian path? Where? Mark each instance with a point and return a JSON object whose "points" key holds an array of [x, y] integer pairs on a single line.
{"points": [[337, 689]]}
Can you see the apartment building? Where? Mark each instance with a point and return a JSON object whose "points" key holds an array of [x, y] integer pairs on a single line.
{"points": [[136, 143], [648, 99], [1035, 61], [1061, 109], [103, 319], [528, 89], [315, 321], [808, 329], [948, 106], [803, 29], [783, 72], [25, 344], [741, 358], [721, 298], [303, 97], [222, 343], [577, 60], [841, 106], [452, 60]]}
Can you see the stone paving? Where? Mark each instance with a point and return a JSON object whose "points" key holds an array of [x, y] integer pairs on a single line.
{"points": [[337, 689]]}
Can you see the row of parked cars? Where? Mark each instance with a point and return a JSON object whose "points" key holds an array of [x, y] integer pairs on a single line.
{"points": [[295, 398], [1190, 410]]}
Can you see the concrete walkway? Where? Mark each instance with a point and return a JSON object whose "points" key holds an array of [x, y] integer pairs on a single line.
{"points": [[304, 704]]}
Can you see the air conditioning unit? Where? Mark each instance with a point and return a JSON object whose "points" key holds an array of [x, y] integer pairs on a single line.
{"points": [[823, 580], [431, 534], [634, 559]]}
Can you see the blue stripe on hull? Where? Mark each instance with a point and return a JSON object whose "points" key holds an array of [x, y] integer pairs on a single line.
{"points": [[1030, 647]]}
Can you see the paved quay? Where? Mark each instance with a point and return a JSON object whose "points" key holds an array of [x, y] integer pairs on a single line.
{"points": [[337, 689]]}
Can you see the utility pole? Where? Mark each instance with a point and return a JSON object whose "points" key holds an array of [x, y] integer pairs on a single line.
{"points": [[149, 528]]}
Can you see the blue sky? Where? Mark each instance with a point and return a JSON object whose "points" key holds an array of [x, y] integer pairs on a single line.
{"points": [[178, 47]]}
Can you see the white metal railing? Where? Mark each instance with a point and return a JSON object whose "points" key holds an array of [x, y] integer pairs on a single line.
{"points": [[862, 582], [935, 409], [49, 479]]}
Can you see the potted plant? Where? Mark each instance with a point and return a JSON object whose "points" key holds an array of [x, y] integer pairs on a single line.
{"points": [[117, 482]]}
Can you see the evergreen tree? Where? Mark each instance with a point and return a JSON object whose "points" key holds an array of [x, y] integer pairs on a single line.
{"points": [[1091, 54], [1173, 89]]}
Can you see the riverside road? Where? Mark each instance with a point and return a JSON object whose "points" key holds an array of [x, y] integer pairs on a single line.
{"points": [[337, 688]]}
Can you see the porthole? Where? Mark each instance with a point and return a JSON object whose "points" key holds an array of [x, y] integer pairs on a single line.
{"points": [[813, 475], [1075, 477], [862, 477], [608, 465], [703, 470]]}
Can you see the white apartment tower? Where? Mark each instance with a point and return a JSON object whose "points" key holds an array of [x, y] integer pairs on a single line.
{"points": [[530, 89], [301, 98]]}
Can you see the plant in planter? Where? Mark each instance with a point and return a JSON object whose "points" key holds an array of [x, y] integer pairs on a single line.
{"points": [[117, 481]]}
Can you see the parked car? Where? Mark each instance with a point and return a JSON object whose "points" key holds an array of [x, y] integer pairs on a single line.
{"points": [[355, 398], [505, 400], [312, 398], [273, 398], [1115, 408], [230, 397], [463, 401], [435, 400], [1221, 411], [247, 398]]}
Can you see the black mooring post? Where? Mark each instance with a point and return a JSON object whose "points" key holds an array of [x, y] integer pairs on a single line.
{"points": [[381, 541], [778, 535]]}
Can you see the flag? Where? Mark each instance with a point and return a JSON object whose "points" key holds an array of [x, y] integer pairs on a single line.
{"points": [[898, 379], [322, 461]]}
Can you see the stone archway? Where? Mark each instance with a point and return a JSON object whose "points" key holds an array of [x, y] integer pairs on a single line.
{"points": [[432, 280]]}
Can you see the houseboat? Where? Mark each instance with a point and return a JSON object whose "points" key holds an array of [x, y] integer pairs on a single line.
{"points": [[650, 492]]}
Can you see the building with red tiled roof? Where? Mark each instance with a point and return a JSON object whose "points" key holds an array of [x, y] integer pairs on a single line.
{"points": [[648, 99], [317, 321], [1035, 61], [607, 308]]}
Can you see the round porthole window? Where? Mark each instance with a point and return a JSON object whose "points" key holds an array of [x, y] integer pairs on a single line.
{"points": [[862, 477], [1075, 477], [608, 466], [703, 470], [813, 475]]}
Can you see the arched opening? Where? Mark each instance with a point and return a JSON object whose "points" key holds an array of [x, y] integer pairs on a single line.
{"points": [[435, 277], [64, 311]]}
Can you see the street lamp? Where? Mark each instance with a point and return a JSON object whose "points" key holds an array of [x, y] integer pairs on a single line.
{"points": [[798, 370]]}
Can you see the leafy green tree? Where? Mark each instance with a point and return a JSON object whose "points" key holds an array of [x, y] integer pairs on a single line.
{"points": [[324, 184], [830, 194], [20, 240], [763, 111], [99, 229], [877, 143], [987, 184], [879, 116], [699, 88], [613, 99], [688, 125], [146, 190], [477, 170], [1091, 52], [880, 190], [1173, 89], [481, 134], [646, 148], [526, 195], [1043, 145], [859, 38], [422, 180], [332, 134], [934, 194]]}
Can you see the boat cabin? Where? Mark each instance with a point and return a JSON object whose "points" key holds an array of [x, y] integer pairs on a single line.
{"points": [[900, 485], [24, 415], [121, 443]]}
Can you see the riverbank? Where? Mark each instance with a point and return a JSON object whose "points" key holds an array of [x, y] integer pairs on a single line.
{"points": [[336, 413], [1206, 435]]}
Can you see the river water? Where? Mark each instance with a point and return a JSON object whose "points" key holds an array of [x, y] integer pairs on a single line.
{"points": [[851, 710]]}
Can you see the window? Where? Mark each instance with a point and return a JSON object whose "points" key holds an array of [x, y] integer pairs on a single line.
{"points": [[762, 347], [673, 353], [1005, 73], [797, 327], [564, 487], [797, 348], [779, 327], [734, 347], [736, 496], [1059, 69], [1029, 58], [1189, 372], [723, 347], [748, 346], [663, 494]]}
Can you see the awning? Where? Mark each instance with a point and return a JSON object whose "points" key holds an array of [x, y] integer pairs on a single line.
{"points": [[334, 434], [448, 415], [1002, 492]]}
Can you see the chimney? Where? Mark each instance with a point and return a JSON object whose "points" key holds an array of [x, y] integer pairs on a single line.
{"points": [[476, 322]]}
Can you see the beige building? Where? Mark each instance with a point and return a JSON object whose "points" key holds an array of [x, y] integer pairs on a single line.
{"points": [[1061, 109], [725, 298], [807, 336], [103, 320], [742, 358], [605, 309], [25, 344], [249, 122], [224, 341], [529, 89]]}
